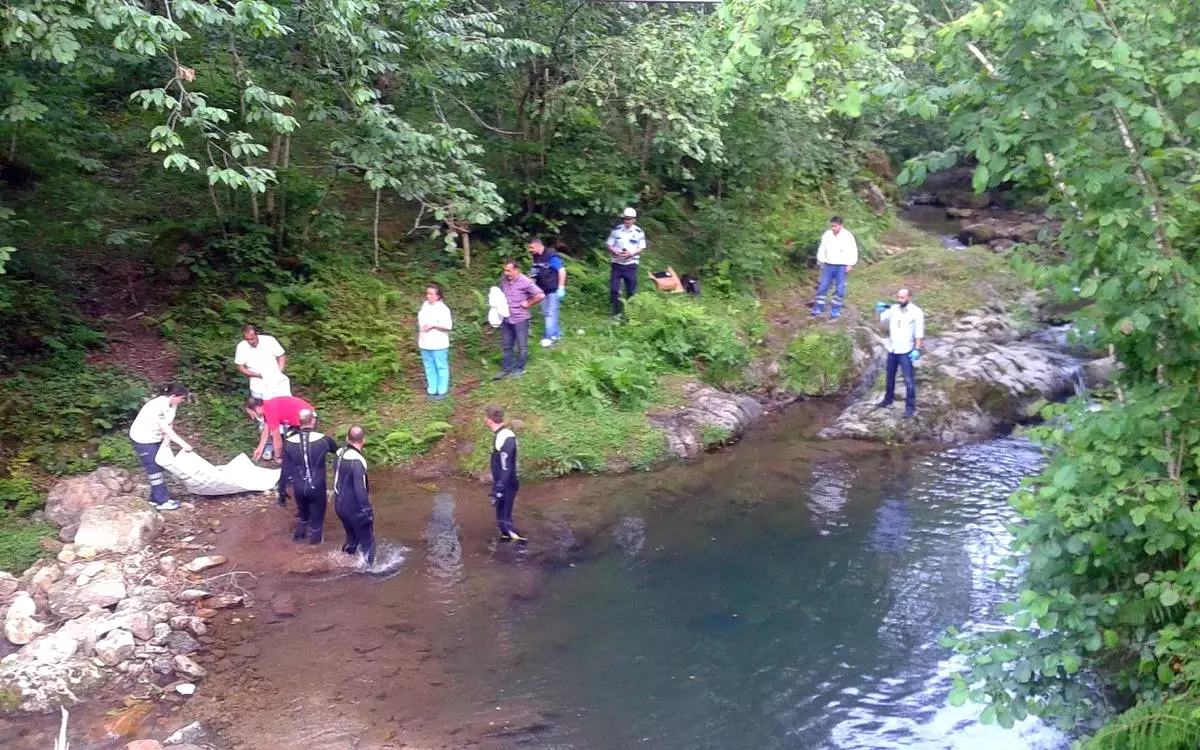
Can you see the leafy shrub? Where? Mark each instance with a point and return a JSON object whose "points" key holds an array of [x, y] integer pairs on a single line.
{"points": [[684, 334], [819, 363], [19, 545], [400, 445], [18, 497], [592, 380]]}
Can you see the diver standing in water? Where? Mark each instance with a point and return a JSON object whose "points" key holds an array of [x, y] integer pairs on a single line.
{"points": [[305, 452], [504, 474], [350, 496]]}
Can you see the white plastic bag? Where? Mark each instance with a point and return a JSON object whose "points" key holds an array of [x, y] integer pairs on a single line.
{"points": [[200, 477]]}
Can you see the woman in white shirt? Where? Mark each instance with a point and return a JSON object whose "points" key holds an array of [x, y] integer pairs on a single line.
{"points": [[433, 338], [149, 429]]}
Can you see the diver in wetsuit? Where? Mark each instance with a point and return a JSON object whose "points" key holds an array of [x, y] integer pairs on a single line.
{"points": [[350, 496], [305, 452], [504, 474]]}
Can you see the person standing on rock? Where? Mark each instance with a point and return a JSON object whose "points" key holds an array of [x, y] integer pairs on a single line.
{"points": [[837, 256], [521, 294], [261, 358], [351, 499], [305, 451], [433, 339], [149, 429], [505, 482], [626, 243], [550, 275], [906, 333]]}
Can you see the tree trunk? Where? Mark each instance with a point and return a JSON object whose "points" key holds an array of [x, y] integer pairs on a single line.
{"points": [[466, 243], [378, 197]]}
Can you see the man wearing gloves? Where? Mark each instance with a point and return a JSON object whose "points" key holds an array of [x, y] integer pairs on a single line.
{"points": [[350, 496], [837, 255], [550, 275], [906, 330], [504, 474]]}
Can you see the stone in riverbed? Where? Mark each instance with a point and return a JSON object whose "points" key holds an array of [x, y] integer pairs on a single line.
{"points": [[144, 745], [190, 734], [182, 643], [8, 586], [122, 526], [69, 598], [204, 563], [19, 626], [284, 605], [188, 668], [224, 601], [69, 498], [192, 595], [190, 624], [115, 647]]}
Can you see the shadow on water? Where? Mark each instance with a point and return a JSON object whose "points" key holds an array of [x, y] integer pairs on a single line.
{"points": [[779, 598]]}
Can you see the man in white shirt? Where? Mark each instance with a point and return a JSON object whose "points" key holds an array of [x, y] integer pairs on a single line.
{"points": [[906, 333], [625, 245], [261, 358], [837, 255]]}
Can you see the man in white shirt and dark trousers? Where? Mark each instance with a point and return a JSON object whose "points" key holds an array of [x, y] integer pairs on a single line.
{"points": [[625, 245], [906, 331], [837, 255], [261, 358]]}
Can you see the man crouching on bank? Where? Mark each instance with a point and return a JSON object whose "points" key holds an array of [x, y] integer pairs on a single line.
{"points": [[351, 499]]}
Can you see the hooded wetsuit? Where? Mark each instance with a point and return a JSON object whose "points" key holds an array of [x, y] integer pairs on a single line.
{"points": [[352, 502], [305, 452], [504, 480]]}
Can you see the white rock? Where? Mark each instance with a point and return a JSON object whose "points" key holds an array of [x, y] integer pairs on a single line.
{"points": [[188, 668], [192, 733], [103, 589], [22, 630], [193, 595], [54, 648], [186, 688], [115, 647], [204, 563], [67, 554], [123, 527], [22, 606]]}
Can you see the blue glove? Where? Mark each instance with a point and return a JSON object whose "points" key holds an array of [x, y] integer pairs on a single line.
{"points": [[562, 292], [914, 355], [494, 499], [881, 306]]}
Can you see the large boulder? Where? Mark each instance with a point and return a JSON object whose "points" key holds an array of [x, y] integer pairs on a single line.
{"points": [[101, 586], [70, 497], [115, 647], [709, 416], [19, 626], [976, 380], [124, 525]]}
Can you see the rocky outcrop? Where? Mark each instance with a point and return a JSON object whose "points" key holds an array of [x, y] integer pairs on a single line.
{"points": [[123, 524], [71, 497], [1000, 230], [979, 378], [709, 416]]}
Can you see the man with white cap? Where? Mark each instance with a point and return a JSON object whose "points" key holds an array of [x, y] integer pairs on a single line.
{"points": [[625, 245]]}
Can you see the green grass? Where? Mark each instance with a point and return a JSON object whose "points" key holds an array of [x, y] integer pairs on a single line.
{"points": [[19, 546]]}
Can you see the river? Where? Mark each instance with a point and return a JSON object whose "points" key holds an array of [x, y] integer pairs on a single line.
{"points": [[784, 593]]}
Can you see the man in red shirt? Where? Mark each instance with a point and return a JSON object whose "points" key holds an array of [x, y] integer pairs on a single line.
{"points": [[280, 412]]}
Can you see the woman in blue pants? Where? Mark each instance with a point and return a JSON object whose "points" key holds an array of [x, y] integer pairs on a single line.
{"points": [[433, 339], [149, 429]]}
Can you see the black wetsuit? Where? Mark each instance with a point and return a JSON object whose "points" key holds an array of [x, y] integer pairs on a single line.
{"points": [[504, 481], [305, 452], [352, 502]]}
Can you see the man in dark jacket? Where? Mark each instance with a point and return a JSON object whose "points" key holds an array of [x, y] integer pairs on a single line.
{"points": [[350, 498], [504, 474], [305, 452]]}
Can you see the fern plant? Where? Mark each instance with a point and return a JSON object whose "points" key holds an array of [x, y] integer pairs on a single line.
{"points": [[1174, 725]]}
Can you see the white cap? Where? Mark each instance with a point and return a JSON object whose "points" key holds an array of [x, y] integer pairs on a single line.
{"points": [[629, 213]]}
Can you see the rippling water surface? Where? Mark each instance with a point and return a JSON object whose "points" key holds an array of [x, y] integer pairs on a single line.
{"points": [[778, 600]]}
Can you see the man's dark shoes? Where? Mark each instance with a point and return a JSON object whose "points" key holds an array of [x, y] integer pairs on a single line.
{"points": [[314, 539], [282, 502], [883, 404], [517, 373], [299, 535], [908, 414], [350, 549], [501, 375]]}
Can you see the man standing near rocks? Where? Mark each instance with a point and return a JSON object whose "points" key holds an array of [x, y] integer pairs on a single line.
{"points": [[505, 482], [626, 242], [305, 452], [837, 256], [550, 275], [277, 414], [521, 294], [351, 498], [906, 332], [261, 358]]}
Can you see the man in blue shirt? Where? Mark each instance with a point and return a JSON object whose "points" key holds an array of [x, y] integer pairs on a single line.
{"points": [[550, 275], [625, 245]]}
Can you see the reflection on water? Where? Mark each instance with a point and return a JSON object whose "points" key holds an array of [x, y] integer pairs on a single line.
{"points": [[443, 549], [780, 602]]}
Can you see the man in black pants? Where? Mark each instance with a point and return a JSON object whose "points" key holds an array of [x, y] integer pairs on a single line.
{"points": [[305, 451], [350, 496], [625, 245], [504, 474]]}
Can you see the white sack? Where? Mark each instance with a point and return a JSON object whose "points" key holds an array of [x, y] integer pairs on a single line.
{"points": [[200, 477]]}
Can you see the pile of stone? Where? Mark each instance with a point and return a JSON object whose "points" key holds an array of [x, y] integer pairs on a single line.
{"points": [[110, 606]]}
